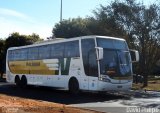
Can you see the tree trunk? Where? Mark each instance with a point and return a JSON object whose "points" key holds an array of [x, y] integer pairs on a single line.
{"points": [[145, 80], [1, 75]]}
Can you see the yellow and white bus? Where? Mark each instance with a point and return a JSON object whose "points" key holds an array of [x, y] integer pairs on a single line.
{"points": [[92, 63]]}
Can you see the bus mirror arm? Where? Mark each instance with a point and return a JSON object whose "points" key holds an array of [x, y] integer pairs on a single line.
{"points": [[99, 53], [134, 55]]}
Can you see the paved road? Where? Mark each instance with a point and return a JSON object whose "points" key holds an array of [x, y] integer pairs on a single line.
{"points": [[53, 95], [100, 102]]}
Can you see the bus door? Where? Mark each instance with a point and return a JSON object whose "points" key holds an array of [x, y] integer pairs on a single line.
{"points": [[93, 70], [90, 64]]}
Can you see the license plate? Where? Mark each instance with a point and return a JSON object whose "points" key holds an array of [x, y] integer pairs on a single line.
{"points": [[119, 86]]}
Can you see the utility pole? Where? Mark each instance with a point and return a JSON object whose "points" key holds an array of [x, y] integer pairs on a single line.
{"points": [[61, 12]]}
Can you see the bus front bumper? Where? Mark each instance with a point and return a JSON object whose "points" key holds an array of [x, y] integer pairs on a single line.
{"points": [[108, 86]]}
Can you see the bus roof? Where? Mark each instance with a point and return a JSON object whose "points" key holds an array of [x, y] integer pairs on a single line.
{"points": [[59, 40]]}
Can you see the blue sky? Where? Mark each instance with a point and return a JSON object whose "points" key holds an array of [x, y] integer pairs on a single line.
{"points": [[40, 16]]}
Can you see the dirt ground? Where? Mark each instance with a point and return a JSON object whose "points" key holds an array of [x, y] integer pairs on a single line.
{"points": [[10, 104]]}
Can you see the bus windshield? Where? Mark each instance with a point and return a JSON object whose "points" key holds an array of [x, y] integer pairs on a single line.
{"points": [[116, 58]]}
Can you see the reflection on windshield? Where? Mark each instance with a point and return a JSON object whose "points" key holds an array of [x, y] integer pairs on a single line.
{"points": [[115, 63], [124, 63], [116, 59], [109, 64]]}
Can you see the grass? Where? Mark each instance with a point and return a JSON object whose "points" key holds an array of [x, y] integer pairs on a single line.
{"points": [[153, 84]]}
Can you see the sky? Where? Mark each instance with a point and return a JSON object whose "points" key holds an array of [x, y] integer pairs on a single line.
{"points": [[40, 16]]}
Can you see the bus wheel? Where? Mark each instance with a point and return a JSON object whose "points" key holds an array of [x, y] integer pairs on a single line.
{"points": [[73, 86], [23, 81], [17, 80]]}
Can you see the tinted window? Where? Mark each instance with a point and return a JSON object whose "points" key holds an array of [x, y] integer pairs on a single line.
{"points": [[71, 49], [93, 66], [33, 53], [57, 50], [111, 44], [23, 54], [120, 44], [10, 55], [44, 52], [89, 57], [19, 54], [105, 43], [16, 54], [109, 64]]}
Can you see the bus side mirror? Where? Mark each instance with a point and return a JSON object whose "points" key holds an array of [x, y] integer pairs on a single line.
{"points": [[100, 53], [134, 55]]}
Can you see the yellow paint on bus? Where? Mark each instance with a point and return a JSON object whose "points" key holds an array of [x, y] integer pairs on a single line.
{"points": [[38, 67]]}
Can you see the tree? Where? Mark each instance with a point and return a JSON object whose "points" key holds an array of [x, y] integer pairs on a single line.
{"points": [[2, 62], [15, 40], [33, 38], [70, 28], [104, 24], [137, 23], [98, 25], [142, 26]]}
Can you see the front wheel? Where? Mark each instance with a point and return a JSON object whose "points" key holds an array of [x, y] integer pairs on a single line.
{"points": [[73, 86]]}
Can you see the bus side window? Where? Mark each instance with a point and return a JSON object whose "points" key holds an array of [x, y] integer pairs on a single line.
{"points": [[57, 51], [89, 58], [33, 53], [10, 55], [71, 49], [23, 54], [44, 52]]}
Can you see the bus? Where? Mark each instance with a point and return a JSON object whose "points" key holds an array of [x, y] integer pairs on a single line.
{"points": [[87, 63]]}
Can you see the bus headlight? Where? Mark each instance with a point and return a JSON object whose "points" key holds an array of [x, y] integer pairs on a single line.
{"points": [[105, 79]]}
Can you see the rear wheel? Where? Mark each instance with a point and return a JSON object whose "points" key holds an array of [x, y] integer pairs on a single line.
{"points": [[23, 81], [73, 86], [17, 81]]}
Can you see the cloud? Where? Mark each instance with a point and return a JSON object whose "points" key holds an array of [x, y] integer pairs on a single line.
{"points": [[24, 24], [7, 27], [13, 13]]}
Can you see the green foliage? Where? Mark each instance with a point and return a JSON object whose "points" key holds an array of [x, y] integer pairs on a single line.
{"points": [[88, 26], [14, 40], [70, 28], [2, 62], [1, 47], [137, 23], [141, 23], [33, 38]]}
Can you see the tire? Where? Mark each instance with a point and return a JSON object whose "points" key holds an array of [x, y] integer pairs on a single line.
{"points": [[17, 81], [73, 86], [23, 81]]}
